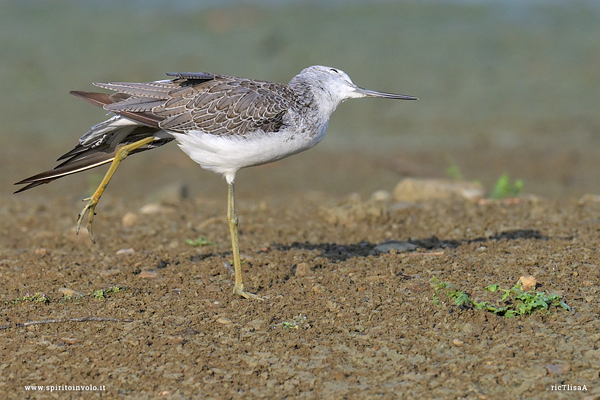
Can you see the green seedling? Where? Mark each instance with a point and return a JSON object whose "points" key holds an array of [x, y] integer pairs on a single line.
{"points": [[201, 241], [516, 300], [453, 171], [505, 189], [102, 294]]}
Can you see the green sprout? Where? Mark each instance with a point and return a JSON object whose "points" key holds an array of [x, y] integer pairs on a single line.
{"points": [[102, 294], [505, 189], [453, 171], [296, 323], [201, 241]]}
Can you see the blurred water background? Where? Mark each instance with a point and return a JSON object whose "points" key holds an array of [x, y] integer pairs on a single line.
{"points": [[504, 86]]}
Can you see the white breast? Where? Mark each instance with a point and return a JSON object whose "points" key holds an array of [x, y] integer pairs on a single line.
{"points": [[227, 154]]}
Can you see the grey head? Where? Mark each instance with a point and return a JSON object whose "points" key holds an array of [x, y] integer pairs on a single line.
{"points": [[331, 86]]}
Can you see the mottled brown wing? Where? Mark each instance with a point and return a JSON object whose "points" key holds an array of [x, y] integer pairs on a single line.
{"points": [[222, 105]]}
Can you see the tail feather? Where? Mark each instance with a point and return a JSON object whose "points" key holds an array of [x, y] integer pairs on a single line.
{"points": [[66, 168], [100, 145]]}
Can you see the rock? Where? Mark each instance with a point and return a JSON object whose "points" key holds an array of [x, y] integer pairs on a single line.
{"points": [[224, 320], [381, 195], [129, 220], [318, 288], [69, 292], [528, 282], [302, 269], [125, 251], [457, 342], [148, 274], [42, 252], [385, 247], [589, 198], [415, 190], [153, 208]]}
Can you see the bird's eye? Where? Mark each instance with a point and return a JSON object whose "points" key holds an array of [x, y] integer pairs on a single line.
{"points": [[334, 70]]}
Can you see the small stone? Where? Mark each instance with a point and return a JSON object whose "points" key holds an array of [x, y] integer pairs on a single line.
{"points": [[153, 208], [109, 272], [318, 288], [125, 251], [457, 342], [381, 195], [528, 282], [148, 274], [302, 269], [129, 220], [558, 369], [69, 292], [387, 246], [415, 190], [42, 252], [224, 320]]}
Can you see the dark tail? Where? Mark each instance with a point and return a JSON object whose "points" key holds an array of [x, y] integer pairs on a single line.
{"points": [[102, 141]]}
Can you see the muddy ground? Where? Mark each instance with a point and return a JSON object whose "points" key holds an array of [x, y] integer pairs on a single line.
{"points": [[340, 320]]}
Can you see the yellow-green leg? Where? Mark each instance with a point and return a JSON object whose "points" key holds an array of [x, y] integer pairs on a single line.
{"points": [[238, 288], [122, 153]]}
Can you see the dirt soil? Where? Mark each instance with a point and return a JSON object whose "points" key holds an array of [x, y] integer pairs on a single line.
{"points": [[340, 319]]}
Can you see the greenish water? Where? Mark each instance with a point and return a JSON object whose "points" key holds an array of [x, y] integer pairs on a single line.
{"points": [[491, 75]]}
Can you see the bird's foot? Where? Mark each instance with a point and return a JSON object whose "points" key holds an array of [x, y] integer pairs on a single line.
{"points": [[90, 207], [247, 295]]}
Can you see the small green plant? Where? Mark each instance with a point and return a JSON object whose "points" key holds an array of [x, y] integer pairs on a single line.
{"points": [[516, 301], [102, 294], [453, 171], [34, 298], [201, 241], [296, 323], [505, 189]]}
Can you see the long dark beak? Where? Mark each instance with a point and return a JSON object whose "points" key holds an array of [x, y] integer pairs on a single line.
{"points": [[373, 93]]}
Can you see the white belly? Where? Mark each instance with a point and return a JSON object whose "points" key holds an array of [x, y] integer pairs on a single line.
{"points": [[227, 154]]}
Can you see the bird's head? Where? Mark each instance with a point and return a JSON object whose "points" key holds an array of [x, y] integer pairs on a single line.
{"points": [[331, 86]]}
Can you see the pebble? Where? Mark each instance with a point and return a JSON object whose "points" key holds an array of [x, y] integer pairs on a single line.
{"points": [[148, 274], [457, 342], [153, 208], [318, 288], [381, 195], [224, 320], [42, 252], [129, 220], [528, 282], [69, 292], [125, 251], [415, 190], [302, 269]]}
